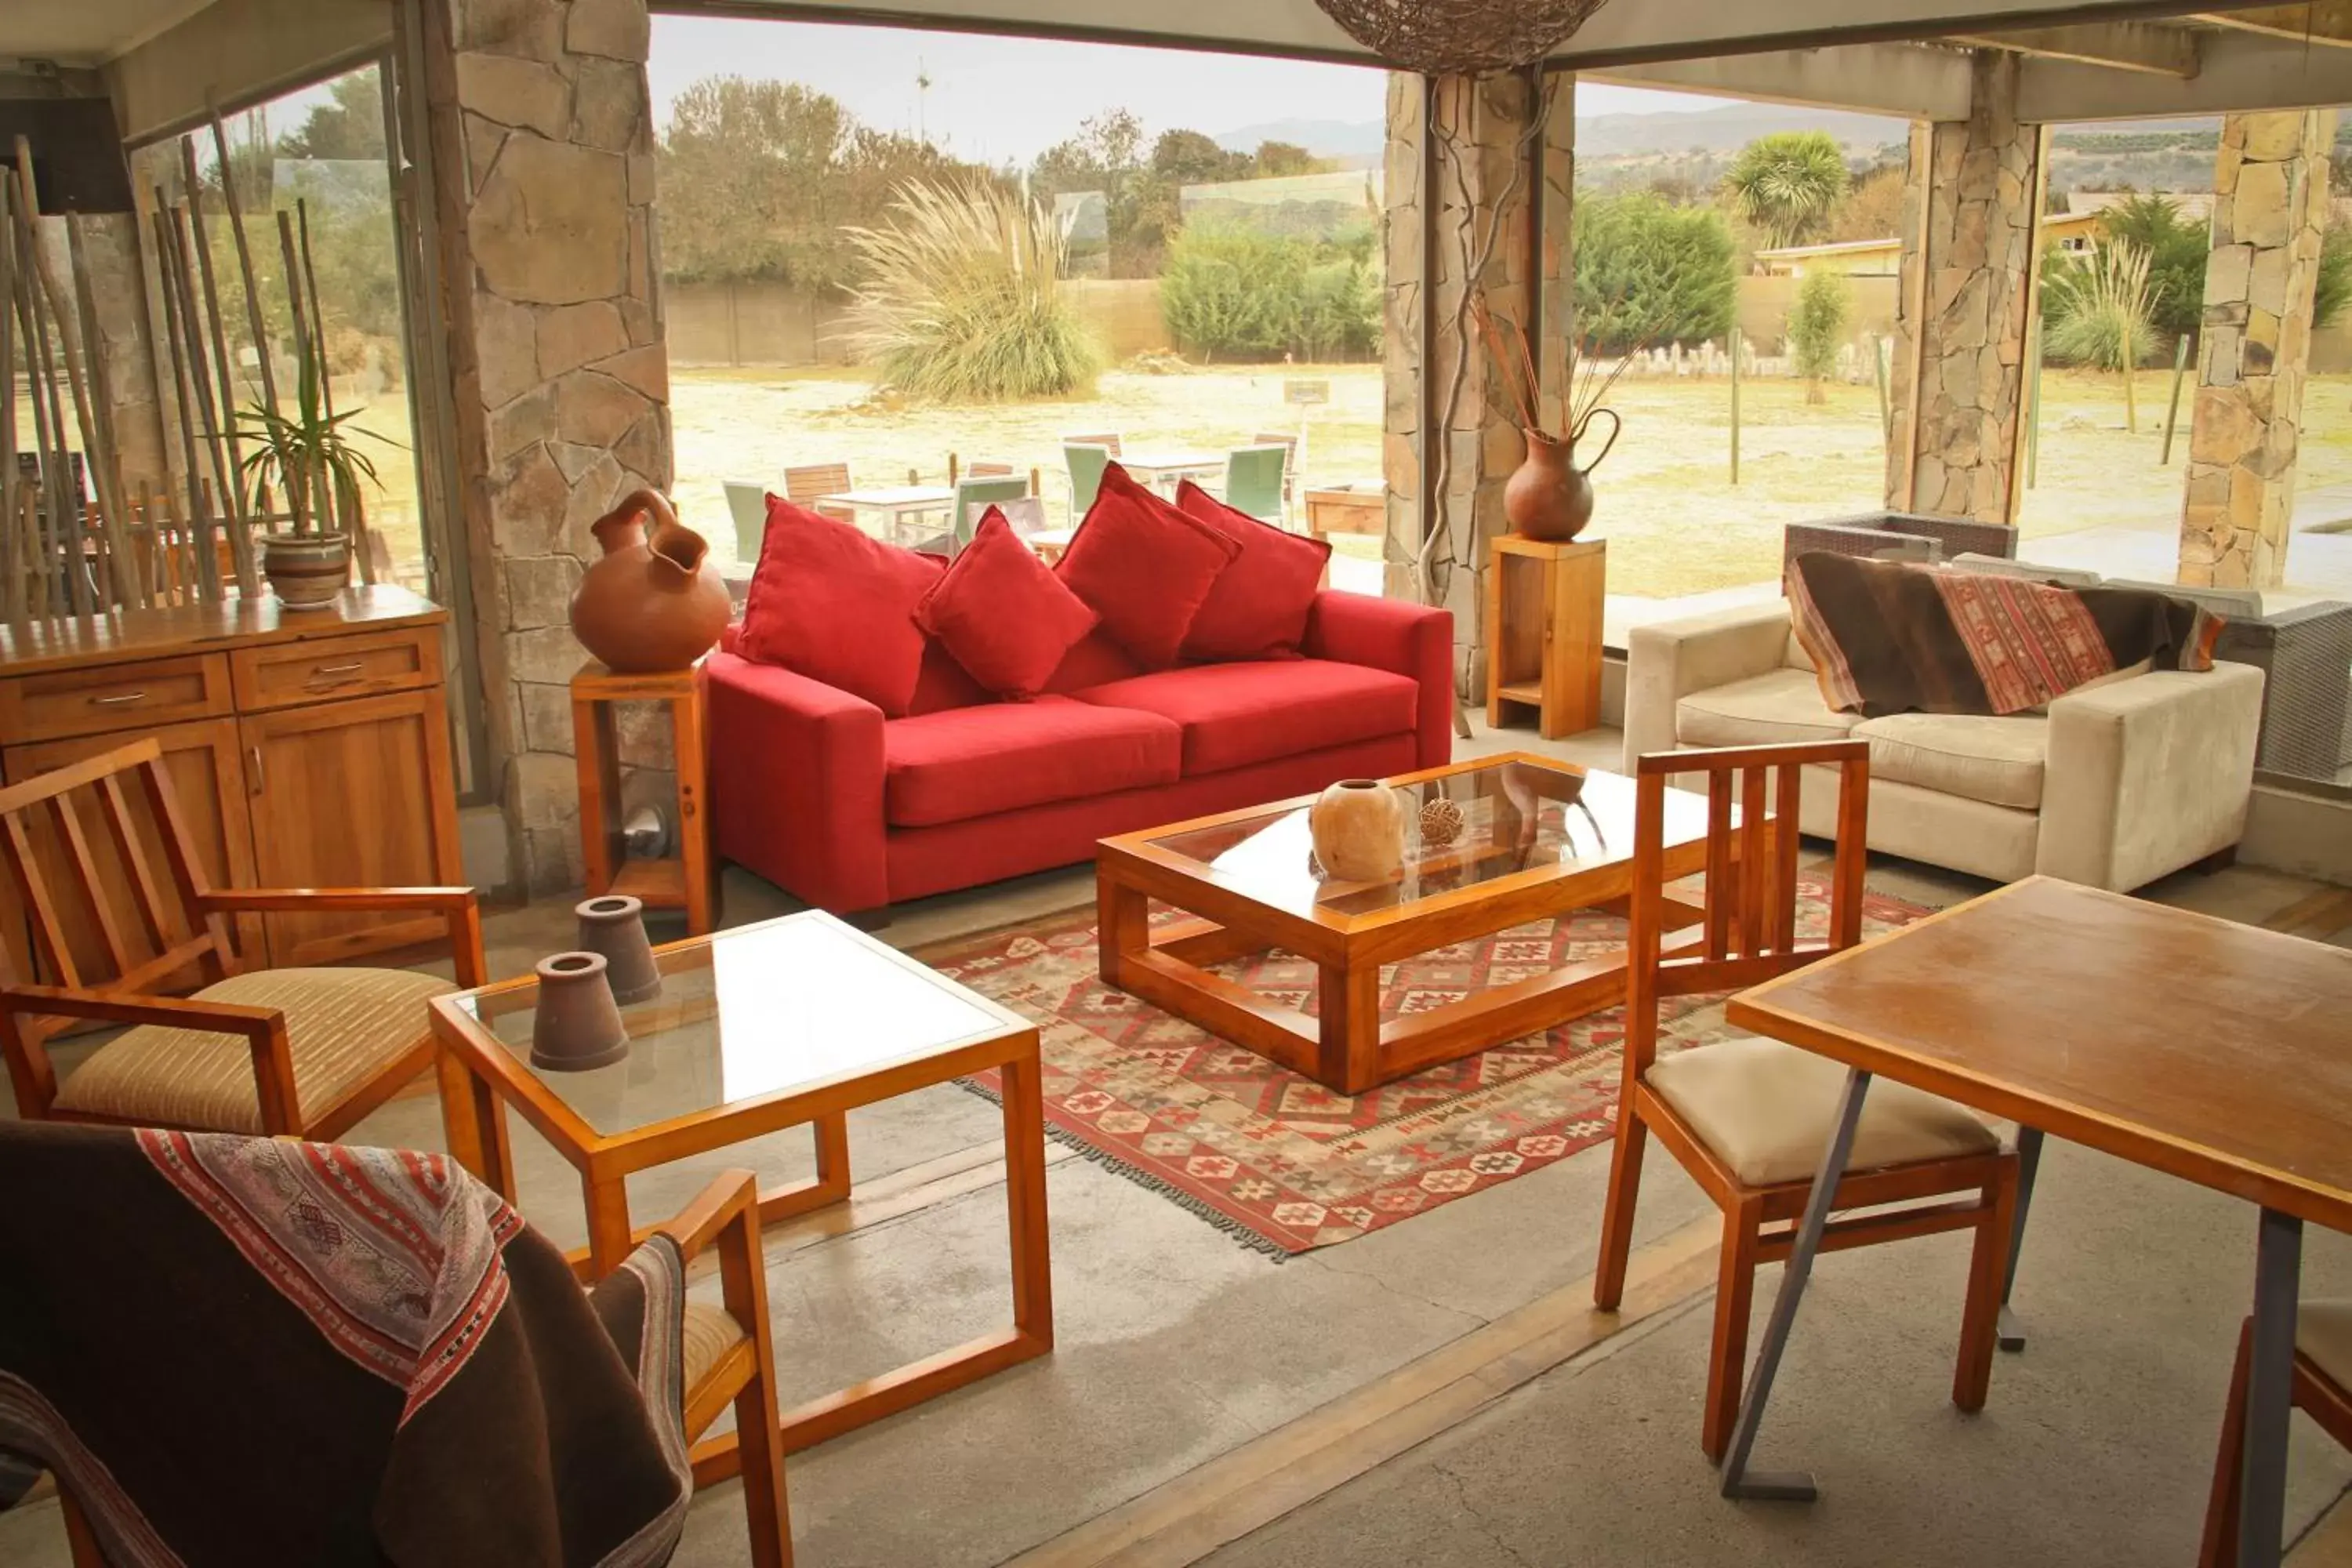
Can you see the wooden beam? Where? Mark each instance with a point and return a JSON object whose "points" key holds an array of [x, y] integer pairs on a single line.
{"points": [[2239, 73], [2325, 22], [2148, 47]]}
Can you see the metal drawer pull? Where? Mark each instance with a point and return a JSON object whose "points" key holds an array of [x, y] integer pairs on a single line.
{"points": [[140, 696], [352, 668]]}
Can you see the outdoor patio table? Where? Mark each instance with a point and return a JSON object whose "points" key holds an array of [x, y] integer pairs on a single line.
{"points": [[1161, 470], [896, 504], [2216, 1052]]}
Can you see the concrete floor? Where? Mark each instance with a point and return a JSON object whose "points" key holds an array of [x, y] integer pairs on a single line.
{"points": [[1175, 1345]]}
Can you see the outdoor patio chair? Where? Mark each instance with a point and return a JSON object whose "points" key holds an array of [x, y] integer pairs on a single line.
{"points": [[1254, 481], [1294, 443], [1749, 1118], [1086, 460], [1110, 441], [803, 485], [299, 1052], [988, 469], [1883, 535], [974, 496], [2321, 1389], [747, 503]]}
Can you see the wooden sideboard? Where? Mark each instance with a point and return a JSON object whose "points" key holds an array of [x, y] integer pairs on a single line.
{"points": [[307, 749]]}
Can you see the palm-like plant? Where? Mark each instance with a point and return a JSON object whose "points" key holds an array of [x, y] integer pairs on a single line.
{"points": [[962, 299], [2103, 316], [309, 456], [1787, 183]]}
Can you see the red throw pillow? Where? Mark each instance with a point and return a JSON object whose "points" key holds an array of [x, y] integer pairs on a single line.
{"points": [[828, 603], [1007, 618], [1257, 607], [1144, 566]]}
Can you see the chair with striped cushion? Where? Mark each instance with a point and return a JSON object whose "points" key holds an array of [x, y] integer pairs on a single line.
{"points": [[115, 935]]}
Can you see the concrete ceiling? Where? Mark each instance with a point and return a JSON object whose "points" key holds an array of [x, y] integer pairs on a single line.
{"points": [[84, 32]]}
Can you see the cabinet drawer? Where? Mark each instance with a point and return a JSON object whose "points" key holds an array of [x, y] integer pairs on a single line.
{"points": [[286, 675], [99, 699]]}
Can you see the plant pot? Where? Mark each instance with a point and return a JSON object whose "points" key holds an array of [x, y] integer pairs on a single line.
{"points": [[576, 1024], [1358, 827], [1547, 497], [653, 602], [305, 571], [615, 926]]}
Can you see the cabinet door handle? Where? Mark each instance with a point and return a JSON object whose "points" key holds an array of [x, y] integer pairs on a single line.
{"points": [[117, 701], [260, 777], [352, 668]]}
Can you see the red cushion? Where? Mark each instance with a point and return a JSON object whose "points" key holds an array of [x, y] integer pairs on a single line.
{"points": [[1096, 661], [1003, 615], [1000, 756], [1237, 714], [828, 603], [944, 683], [1258, 607], [1144, 566]]}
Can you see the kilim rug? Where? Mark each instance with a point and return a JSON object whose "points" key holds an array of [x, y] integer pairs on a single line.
{"points": [[1284, 1163]]}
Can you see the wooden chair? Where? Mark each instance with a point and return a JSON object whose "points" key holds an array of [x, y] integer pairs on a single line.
{"points": [[984, 468], [1749, 1118], [2321, 1389], [299, 1052], [805, 484]]}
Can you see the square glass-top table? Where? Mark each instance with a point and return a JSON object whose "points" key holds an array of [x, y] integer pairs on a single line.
{"points": [[1536, 838], [789, 1022]]}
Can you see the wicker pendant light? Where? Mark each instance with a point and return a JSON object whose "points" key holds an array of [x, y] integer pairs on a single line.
{"points": [[1438, 37]]}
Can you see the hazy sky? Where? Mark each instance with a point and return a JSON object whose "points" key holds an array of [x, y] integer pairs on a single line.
{"points": [[994, 98]]}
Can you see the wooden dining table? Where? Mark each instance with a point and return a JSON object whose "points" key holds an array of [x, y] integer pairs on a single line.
{"points": [[2213, 1051]]}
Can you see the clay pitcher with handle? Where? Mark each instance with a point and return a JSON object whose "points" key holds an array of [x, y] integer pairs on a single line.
{"points": [[654, 602], [1548, 497]]}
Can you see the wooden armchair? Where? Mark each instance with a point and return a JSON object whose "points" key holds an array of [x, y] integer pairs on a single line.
{"points": [[299, 1052], [2321, 1388], [1749, 1118]]}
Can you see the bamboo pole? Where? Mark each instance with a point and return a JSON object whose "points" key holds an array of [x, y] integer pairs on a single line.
{"points": [[2172, 409], [301, 497], [1736, 357], [253, 315], [354, 526], [97, 454], [48, 414], [14, 579], [187, 358], [117, 500], [232, 500]]}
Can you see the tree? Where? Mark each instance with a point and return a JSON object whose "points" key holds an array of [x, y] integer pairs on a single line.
{"points": [[1277, 160], [1817, 329], [349, 124], [1871, 207], [1650, 272], [1105, 158], [2332, 289], [1233, 292], [1787, 183]]}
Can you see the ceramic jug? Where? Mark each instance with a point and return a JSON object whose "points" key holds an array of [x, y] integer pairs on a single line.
{"points": [[1548, 496], [654, 602]]}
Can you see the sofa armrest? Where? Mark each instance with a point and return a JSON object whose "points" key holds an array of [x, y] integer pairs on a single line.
{"points": [[2148, 774], [1408, 639], [796, 783], [1668, 660]]}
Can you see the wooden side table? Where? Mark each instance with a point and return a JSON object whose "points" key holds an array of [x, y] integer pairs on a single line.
{"points": [[1543, 632], [679, 881]]}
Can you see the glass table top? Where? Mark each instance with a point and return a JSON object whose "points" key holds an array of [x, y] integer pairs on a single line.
{"points": [[1516, 816], [750, 1012]]}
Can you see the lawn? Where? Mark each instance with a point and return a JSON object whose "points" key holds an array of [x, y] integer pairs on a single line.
{"points": [[1675, 522]]}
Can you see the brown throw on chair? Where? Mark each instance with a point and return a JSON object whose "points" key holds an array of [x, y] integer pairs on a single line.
{"points": [[240, 1351], [1888, 636]]}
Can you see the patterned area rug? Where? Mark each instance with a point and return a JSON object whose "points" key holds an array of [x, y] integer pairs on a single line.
{"points": [[1279, 1160]]}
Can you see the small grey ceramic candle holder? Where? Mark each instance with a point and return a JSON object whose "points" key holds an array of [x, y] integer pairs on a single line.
{"points": [[577, 1025], [614, 925]]}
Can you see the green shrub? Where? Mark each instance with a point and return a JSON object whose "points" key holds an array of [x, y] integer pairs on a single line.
{"points": [[962, 299], [1817, 328], [1242, 294], [1650, 272], [2332, 289]]}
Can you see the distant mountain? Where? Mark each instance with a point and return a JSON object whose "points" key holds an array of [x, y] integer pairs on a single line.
{"points": [[1728, 129], [1352, 140]]}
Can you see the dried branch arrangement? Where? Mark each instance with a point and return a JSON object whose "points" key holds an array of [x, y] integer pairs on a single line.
{"points": [[1590, 378]]}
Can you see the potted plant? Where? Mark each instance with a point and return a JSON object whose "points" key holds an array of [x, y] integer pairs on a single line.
{"points": [[307, 455]]}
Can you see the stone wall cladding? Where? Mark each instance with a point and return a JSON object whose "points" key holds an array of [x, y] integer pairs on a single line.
{"points": [[2270, 218], [545, 146], [1969, 267]]}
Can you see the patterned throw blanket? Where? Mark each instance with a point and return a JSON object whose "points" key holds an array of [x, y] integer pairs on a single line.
{"points": [[1886, 637], [241, 1350]]}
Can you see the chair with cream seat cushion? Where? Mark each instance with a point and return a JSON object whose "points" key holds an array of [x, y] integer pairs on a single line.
{"points": [[1749, 1118], [2321, 1389], [299, 1052]]}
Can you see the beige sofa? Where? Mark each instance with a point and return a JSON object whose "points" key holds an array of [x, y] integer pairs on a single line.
{"points": [[2118, 783]]}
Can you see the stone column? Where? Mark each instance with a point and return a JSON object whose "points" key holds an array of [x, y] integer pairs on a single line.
{"points": [[1486, 177], [543, 149], [1972, 247], [2270, 218]]}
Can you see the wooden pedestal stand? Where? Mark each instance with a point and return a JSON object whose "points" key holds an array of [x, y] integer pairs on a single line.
{"points": [[1543, 632], [680, 881]]}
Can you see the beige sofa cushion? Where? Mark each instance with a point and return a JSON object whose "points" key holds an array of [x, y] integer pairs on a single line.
{"points": [[343, 1027], [1997, 760], [1767, 1108], [2323, 1332], [1779, 705]]}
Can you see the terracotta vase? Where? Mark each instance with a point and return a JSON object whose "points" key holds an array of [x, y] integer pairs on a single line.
{"points": [[615, 927], [1358, 827], [305, 571], [654, 602], [1547, 497], [576, 1024]]}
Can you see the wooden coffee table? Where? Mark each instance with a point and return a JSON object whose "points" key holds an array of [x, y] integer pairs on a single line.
{"points": [[1538, 840], [788, 1023]]}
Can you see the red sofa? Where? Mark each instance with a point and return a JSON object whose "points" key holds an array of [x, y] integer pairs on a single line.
{"points": [[814, 789]]}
